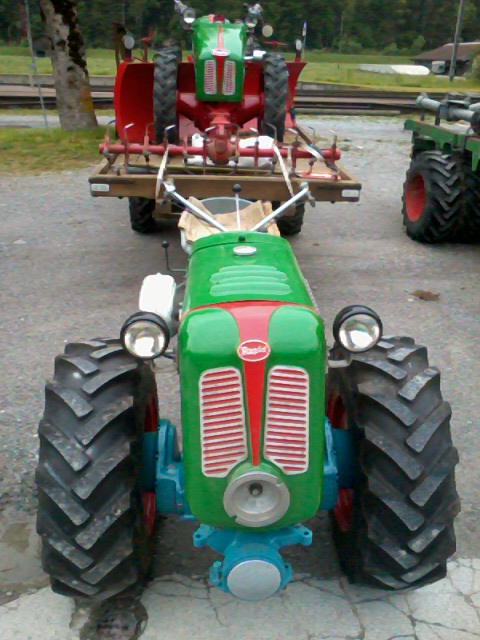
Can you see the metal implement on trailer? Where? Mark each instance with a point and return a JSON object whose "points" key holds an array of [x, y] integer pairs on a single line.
{"points": [[275, 173], [441, 199]]}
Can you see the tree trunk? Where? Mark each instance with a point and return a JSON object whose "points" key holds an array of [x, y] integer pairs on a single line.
{"points": [[69, 62]]}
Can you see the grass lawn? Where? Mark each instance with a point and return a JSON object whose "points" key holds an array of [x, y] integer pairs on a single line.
{"points": [[323, 67], [34, 150]]}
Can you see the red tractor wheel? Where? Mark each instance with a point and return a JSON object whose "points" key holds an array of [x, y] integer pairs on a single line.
{"points": [[165, 94], [275, 95]]}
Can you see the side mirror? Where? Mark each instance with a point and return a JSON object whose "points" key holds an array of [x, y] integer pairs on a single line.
{"points": [[267, 31]]}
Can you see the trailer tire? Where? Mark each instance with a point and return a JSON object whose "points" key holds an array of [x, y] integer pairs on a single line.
{"points": [[165, 93], [96, 536], [275, 76], [393, 522], [291, 225], [141, 214], [432, 198]]}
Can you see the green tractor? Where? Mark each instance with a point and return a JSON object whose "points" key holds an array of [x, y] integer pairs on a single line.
{"points": [[269, 440], [441, 195]]}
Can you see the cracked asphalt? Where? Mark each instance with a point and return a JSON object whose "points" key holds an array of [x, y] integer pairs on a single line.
{"points": [[71, 269]]}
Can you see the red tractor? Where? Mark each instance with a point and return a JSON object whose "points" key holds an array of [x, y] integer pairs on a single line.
{"points": [[226, 86]]}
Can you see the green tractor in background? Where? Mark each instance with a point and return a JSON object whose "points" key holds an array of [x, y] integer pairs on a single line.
{"points": [[269, 440]]}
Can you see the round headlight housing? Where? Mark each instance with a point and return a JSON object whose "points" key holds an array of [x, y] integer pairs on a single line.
{"points": [[128, 41], [357, 328], [251, 20], [145, 335], [189, 16]]}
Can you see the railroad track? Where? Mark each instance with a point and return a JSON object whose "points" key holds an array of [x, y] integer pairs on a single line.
{"points": [[309, 98]]}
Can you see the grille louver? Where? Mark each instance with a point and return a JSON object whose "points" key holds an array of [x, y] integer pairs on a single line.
{"points": [[287, 415], [210, 77], [222, 421], [229, 78]]}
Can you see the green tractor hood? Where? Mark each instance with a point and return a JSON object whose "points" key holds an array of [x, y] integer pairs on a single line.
{"points": [[218, 55], [249, 335]]}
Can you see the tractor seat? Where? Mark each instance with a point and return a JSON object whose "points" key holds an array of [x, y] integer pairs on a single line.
{"points": [[192, 228]]}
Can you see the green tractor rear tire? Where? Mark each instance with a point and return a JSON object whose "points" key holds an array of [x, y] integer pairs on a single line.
{"points": [[432, 198], [275, 95], [94, 520], [470, 232], [393, 522], [165, 93], [141, 214]]}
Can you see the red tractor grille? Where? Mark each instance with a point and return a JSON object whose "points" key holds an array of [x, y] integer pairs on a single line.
{"points": [[286, 423], [229, 78], [222, 421], [210, 77]]}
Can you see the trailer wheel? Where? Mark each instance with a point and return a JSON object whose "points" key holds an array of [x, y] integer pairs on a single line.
{"points": [[470, 231], [141, 214], [432, 198], [275, 95], [165, 93], [94, 520], [290, 225], [393, 522]]}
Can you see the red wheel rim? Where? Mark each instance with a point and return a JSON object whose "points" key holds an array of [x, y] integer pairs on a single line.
{"points": [[148, 497], [342, 511], [415, 198]]}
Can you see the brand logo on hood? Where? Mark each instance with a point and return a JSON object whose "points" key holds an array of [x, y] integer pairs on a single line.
{"points": [[253, 350], [220, 53]]}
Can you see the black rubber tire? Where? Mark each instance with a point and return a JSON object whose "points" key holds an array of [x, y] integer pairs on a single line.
{"points": [[440, 219], [291, 225], [404, 498], [470, 229], [90, 514], [275, 76], [141, 214], [165, 75]]}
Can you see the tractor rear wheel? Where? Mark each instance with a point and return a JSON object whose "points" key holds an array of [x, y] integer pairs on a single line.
{"points": [[275, 95], [93, 517], [141, 214], [470, 231], [290, 225], [432, 198], [165, 93], [393, 522]]}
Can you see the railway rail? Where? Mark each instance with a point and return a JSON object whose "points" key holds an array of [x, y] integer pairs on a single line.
{"points": [[310, 98]]}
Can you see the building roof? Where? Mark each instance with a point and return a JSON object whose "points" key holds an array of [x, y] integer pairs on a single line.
{"points": [[466, 51]]}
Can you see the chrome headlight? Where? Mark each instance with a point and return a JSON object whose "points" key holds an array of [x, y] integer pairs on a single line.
{"points": [[256, 499], [357, 328], [189, 16], [145, 335]]}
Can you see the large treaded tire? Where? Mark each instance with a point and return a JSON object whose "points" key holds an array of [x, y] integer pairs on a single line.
{"points": [[275, 95], [470, 231], [432, 198], [292, 224], [90, 514], [141, 214], [165, 93], [399, 532]]}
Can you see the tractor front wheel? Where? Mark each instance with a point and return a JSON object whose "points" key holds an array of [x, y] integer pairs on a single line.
{"points": [[393, 522], [275, 95], [432, 198], [94, 518]]}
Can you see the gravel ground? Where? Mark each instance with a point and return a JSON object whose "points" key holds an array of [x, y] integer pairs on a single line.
{"points": [[71, 269]]}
